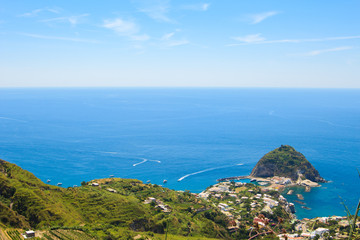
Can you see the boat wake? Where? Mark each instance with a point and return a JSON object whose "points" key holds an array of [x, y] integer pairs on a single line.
{"points": [[13, 119], [206, 170], [144, 161], [155, 161]]}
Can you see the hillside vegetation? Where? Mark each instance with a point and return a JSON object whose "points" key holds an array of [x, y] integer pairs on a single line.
{"points": [[112, 210], [285, 161]]}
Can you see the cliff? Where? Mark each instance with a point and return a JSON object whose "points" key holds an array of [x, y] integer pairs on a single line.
{"points": [[285, 161]]}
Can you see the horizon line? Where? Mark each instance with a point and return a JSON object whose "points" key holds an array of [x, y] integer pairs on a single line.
{"points": [[172, 87]]}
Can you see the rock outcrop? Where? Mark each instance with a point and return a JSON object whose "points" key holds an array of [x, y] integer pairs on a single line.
{"points": [[285, 161]]}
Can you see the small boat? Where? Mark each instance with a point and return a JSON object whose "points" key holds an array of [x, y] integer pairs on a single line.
{"points": [[307, 208], [253, 180], [111, 176], [165, 181], [75, 185], [48, 180], [300, 202], [300, 197], [59, 184], [290, 192], [148, 181]]}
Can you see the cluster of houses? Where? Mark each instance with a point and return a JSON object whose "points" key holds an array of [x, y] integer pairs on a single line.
{"points": [[158, 204], [228, 199], [222, 191], [302, 226], [219, 190], [305, 235]]}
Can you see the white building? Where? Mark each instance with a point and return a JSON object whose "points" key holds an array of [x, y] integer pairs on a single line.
{"points": [[320, 231]]}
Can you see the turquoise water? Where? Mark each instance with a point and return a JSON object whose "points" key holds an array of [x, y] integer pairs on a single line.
{"points": [[195, 135]]}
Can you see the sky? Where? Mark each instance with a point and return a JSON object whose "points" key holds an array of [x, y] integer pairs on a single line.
{"points": [[180, 43]]}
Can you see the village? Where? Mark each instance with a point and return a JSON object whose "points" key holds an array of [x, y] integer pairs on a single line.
{"points": [[246, 203]]}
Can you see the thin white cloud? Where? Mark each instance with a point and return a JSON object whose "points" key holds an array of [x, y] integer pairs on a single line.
{"points": [[155, 9], [73, 20], [167, 36], [59, 38], [253, 38], [258, 18], [126, 28], [121, 27], [197, 7], [37, 11], [168, 41], [264, 41], [321, 51]]}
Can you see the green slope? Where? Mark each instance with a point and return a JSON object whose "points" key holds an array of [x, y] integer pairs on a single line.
{"points": [[26, 202]]}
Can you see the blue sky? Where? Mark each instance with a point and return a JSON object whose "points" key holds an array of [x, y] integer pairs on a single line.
{"points": [[154, 43]]}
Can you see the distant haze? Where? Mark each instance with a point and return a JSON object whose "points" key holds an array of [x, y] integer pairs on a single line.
{"points": [[156, 43]]}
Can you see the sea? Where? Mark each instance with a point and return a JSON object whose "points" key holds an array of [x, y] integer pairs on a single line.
{"points": [[189, 136]]}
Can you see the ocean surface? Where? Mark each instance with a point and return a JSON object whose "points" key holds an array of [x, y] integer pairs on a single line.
{"points": [[195, 135]]}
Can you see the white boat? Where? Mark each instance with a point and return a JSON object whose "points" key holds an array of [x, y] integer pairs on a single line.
{"points": [[165, 181], [59, 184], [48, 180]]}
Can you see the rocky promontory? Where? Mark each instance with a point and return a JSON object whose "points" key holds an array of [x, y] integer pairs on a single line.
{"points": [[285, 161]]}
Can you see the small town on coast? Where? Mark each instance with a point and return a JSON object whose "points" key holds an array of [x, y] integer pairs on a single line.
{"points": [[236, 198]]}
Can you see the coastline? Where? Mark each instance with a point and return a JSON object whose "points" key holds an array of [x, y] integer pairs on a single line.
{"points": [[285, 187]]}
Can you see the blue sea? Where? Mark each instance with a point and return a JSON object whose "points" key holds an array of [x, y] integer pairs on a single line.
{"points": [[195, 135]]}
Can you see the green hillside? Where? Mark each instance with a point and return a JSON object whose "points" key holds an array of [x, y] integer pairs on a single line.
{"points": [[285, 161], [105, 211]]}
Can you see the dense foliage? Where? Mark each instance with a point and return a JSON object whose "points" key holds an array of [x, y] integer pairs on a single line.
{"points": [[285, 161]]}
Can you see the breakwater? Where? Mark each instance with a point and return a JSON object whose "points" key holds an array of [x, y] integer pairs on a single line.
{"points": [[232, 178]]}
